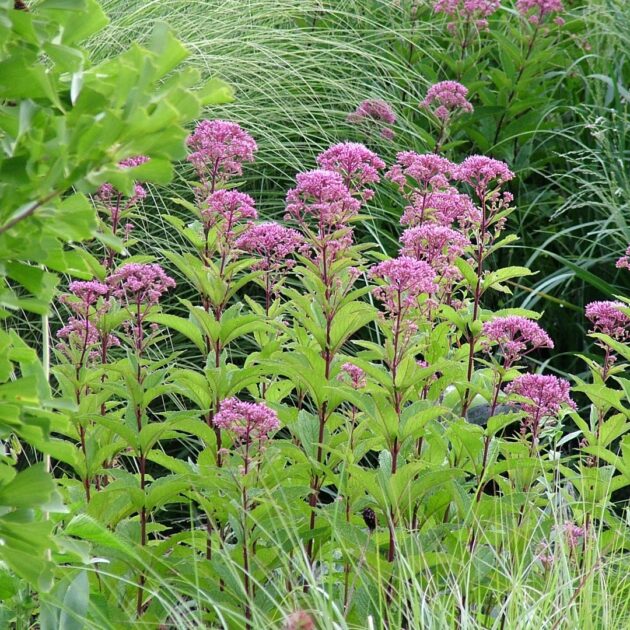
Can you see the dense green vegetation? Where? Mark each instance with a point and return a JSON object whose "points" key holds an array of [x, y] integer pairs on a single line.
{"points": [[236, 392]]}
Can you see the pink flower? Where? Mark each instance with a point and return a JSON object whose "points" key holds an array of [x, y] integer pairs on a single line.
{"points": [[376, 112], [450, 96], [113, 198], [573, 533], [79, 332], [516, 336], [229, 206], [546, 395], [443, 207], [535, 10], [468, 9], [248, 421], [299, 620], [272, 242], [482, 173], [607, 318], [427, 171], [323, 195], [624, 261], [373, 109], [357, 165], [435, 244], [219, 150], [404, 280], [356, 374], [136, 283]]}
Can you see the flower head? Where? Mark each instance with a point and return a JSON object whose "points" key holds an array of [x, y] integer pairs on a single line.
{"points": [[219, 149], [516, 336], [546, 395], [482, 173], [437, 245], [87, 294], [376, 112], [447, 98], [136, 283], [357, 165], [427, 171], [607, 318], [405, 279], [299, 620], [248, 421], [112, 198], [624, 261], [229, 206], [273, 242], [323, 195], [536, 10], [443, 207], [573, 533], [355, 373], [472, 12]]}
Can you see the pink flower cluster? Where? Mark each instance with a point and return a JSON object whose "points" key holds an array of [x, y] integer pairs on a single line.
{"points": [[437, 245], [442, 207], [358, 166], [405, 280], [607, 318], [80, 332], [426, 172], [573, 534], [219, 149], [273, 242], [516, 336], [536, 10], [322, 195], [447, 98], [476, 11], [227, 207], [624, 261], [483, 173], [136, 283], [546, 393], [376, 112], [355, 373], [248, 421], [112, 198]]}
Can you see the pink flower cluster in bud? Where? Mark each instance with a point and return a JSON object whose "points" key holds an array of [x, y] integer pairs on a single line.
{"points": [[219, 149], [136, 283], [435, 244], [476, 11], [624, 261], [516, 337], [299, 620], [405, 280], [227, 208], [358, 166], [427, 171], [546, 395], [273, 242], [608, 318], [447, 98], [536, 10], [442, 207], [248, 421], [355, 373], [376, 112]]}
